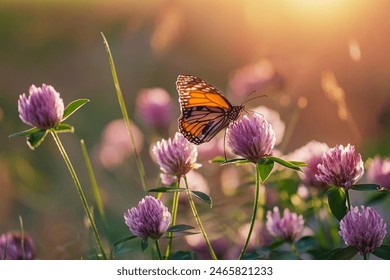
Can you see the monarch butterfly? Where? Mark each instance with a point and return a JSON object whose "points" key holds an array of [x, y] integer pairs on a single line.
{"points": [[204, 110]]}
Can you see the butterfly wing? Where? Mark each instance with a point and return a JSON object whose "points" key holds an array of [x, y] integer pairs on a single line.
{"points": [[204, 110]]}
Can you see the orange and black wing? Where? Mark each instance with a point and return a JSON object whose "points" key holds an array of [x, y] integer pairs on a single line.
{"points": [[204, 110]]}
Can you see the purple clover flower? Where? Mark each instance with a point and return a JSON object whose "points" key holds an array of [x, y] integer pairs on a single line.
{"points": [[251, 137], [43, 108], [340, 167], [11, 246], [176, 156], [288, 228], [379, 172], [364, 230], [154, 107], [311, 154], [149, 219]]}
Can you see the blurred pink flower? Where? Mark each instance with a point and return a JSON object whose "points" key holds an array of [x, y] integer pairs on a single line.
{"points": [[274, 119], [311, 153], [115, 145], [289, 227], [13, 248], [154, 108], [378, 172], [255, 76]]}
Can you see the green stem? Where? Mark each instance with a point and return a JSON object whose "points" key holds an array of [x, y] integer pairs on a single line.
{"points": [[365, 257], [254, 213], [80, 191], [22, 237], [348, 200], [140, 166], [95, 187], [315, 200], [175, 204], [198, 221], [158, 250], [294, 250]]}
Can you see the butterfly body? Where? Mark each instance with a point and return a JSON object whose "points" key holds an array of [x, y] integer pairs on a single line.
{"points": [[204, 110]]}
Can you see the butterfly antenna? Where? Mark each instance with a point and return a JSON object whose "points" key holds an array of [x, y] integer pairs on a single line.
{"points": [[246, 97], [250, 99]]}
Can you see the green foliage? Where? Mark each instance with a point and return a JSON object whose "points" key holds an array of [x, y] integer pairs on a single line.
{"points": [[73, 107], [382, 252], [337, 202], [346, 253]]}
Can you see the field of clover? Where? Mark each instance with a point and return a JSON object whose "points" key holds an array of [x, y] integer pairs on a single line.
{"points": [[317, 202]]}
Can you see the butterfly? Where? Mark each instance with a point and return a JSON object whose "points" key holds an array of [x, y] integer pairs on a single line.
{"points": [[204, 110]]}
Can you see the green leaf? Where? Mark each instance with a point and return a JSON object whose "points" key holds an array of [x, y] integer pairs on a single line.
{"points": [[337, 202], [366, 187], [144, 243], [298, 163], [180, 227], [383, 252], [64, 128], [222, 160], [346, 253], [203, 197], [264, 167], [276, 244], [285, 163], [120, 242], [73, 107], [36, 138], [304, 243], [24, 132], [254, 255], [182, 255], [167, 190], [376, 197]]}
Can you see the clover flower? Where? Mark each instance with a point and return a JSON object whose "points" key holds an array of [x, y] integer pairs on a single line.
{"points": [[154, 108], [311, 154], [340, 167], [176, 156], [115, 146], [251, 137], [11, 247], [379, 172], [149, 219], [364, 230], [288, 228], [257, 76], [43, 108]]}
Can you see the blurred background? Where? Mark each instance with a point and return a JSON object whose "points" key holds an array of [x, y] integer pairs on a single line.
{"points": [[323, 64]]}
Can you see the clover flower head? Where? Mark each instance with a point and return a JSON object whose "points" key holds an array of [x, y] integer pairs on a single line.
{"points": [[43, 108], [311, 154], [379, 172], [149, 219], [340, 167], [251, 137], [176, 156], [288, 228], [14, 246], [364, 230], [154, 108]]}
